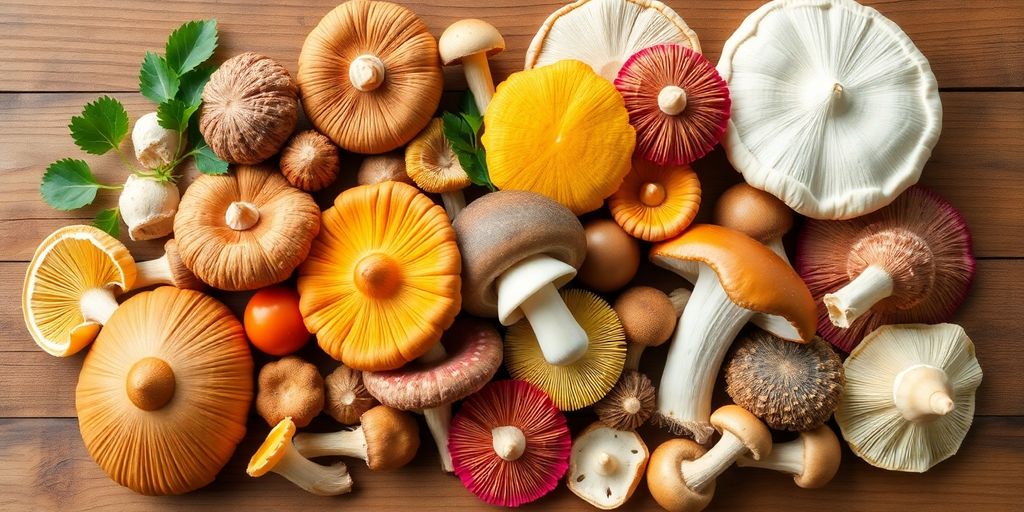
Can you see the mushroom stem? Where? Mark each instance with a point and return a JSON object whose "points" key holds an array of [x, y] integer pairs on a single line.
{"points": [[241, 215], [922, 393], [344, 443], [607, 464], [97, 304], [478, 78], [439, 418], [776, 246], [700, 472], [785, 458], [312, 477], [712, 321], [633, 353], [672, 100], [149, 273], [856, 298], [366, 72], [508, 442], [454, 202]]}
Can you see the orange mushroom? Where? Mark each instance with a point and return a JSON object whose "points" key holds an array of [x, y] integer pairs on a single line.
{"points": [[655, 203]]}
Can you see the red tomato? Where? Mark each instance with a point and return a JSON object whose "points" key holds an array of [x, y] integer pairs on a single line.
{"points": [[273, 321]]}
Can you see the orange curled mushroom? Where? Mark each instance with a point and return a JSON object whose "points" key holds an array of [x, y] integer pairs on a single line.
{"points": [[656, 203]]}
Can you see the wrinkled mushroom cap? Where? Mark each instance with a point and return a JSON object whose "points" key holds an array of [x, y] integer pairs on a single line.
{"points": [[746, 427], [431, 163], [647, 315], [822, 454], [384, 167], [469, 37], [310, 161], [606, 465], [290, 388], [346, 397], [655, 203], [392, 437], [755, 212], [665, 477], [272, 450], [629, 404], [754, 277], [503, 228]]}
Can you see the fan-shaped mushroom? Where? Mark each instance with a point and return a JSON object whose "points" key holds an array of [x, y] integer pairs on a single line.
{"points": [[655, 203], [346, 398], [606, 465], [470, 43], [386, 438], [290, 388], [756, 213], [433, 166], [278, 455], [310, 161], [613, 257], [812, 459]]}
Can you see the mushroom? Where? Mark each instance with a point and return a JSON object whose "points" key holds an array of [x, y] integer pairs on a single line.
{"points": [[155, 146], [648, 318], [386, 167], [787, 385], [467, 358], [71, 285], [510, 444], [370, 76], [148, 206], [584, 381], [681, 474], [834, 134], [470, 43], [629, 404], [756, 213], [382, 279], [676, 101], [812, 459], [908, 262], [655, 203], [909, 397], [163, 396], [604, 33], [613, 256], [250, 108], [606, 465], [542, 128], [346, 397], [310, 161], [517, 249], [245, 230], [386, 439], [433, 166], [278, 455], [290, 388], [167, 269], [734, 277]]}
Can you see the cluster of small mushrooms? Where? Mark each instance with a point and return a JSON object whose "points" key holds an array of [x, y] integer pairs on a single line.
{"points": [[404, 294]]}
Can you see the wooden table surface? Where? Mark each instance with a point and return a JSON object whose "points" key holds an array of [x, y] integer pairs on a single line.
{"points": [[57, 55]]}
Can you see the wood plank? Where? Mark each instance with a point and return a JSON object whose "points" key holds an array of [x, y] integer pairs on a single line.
{"points": [[47, 467], [976, 164], [98, 45]]}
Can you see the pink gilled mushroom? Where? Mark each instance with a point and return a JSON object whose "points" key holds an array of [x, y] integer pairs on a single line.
{"points": [[677, 103], [466, 359]]}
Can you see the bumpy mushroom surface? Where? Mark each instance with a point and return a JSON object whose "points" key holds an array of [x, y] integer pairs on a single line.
{"points": [[613, 256], [278, 455], [386, 167], [290, 388], [757, 213], [648, 318], [655, 203], [346, 398], [167, 269], [606, 465], [250, 108], [432, 164], [154, 145], [310, 161], [812, 459], [386, 438], [147, 207], [470, 43], [629, 404]]}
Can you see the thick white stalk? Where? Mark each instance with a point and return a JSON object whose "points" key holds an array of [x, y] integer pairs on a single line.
{"points": [[97, 305], [478, 78], [454, 202], [700, 472], [314, 478], [849, 302], [711, 323], [344, 443], [784, 458], [149, 273], [922, 393], [439, 418]]}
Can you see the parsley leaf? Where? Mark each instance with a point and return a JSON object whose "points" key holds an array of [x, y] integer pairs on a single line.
{"points": [[157, 81], [174, 114], [206, 160], [69, 184], [467, 104], [101, 127], [191, 44], [461, 131], [108, 220], [192, 83]]}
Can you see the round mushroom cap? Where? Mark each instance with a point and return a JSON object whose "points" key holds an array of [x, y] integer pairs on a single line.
{"points": [[629, 404], [655, 203], [431, 163], [384, 167], [474, 352], [744, 426], [273, 448], [613, 256], [290, 388], [665, 477], [392, 437], [503, 228], [310, 161], [606, 465], [647, 315], [345, 395], [755, 212], [821, 457], [469, 37]]}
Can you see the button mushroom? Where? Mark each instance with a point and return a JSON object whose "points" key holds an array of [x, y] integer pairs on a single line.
{"points": [[278, 455], [681, 474], [386, 438], [310, 161], [606, 465], [655, 203], [517, 249], [386, 167], [345, 396], [756, 213], [812, 459], [467, 358], [629, 404], [290, 387], [648, 318], [470, 43], [613, 256], [148, 206], [167, 269], [155, 146], [433, 166], [735, 277]]}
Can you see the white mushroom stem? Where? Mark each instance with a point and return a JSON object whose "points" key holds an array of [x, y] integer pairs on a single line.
{"points": [[776, 246], [678, 297], [607, 464], [785, 458], [700, 472], [508, 442], [478, 78], [672, 100], [454, 203], [312, 477], [149, 273], [366, 72], [922, 393], [856, 298], [711, 321], [343, 443], [439, 418], [97, 305], [241, 215]]}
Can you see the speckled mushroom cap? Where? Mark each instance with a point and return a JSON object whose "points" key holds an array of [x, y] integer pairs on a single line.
{"points": [[474, 353], [503, 228], [647, 315]]}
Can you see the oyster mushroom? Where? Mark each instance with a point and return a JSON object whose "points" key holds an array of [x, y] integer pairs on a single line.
{"points": [[167, 269], [385, 167], [310, 161], [345, 396], [470, 43], [278, 455], [629, 404], [606, 465], [148, 206], [655, 203], [756, 213], [433, 166], [290, 388], [612, 259], [386, 438], [518, 248], [812, 459], [648, 318]]}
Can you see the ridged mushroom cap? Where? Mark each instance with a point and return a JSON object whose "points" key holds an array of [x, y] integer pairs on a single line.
{"points": [[629, 404], [310, 161], [345, 396], [655, 203], [392, 437], [290, 388], [431, 163]]}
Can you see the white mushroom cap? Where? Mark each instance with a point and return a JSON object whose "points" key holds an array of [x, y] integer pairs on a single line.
{"points": [[606, 465], [469, 37], [155, 146], [148, 207]]}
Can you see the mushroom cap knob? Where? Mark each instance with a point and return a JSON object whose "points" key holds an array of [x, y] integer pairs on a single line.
{"points": [[392, 437], [503, 228], [647, 315], [755, 212], [292, 388], [821, 457], [745, 427], [665, 477], [469, 37]]}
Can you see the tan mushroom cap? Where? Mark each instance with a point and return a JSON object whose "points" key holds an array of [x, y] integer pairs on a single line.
{"points": [[755, 212], [345, 396], [821, 457], [754, 277], [647, 315], [290, 388], [392, 437], [431, 163], [665, 477], [606, 465], [384, 167], [744, 426], [469, 37]]}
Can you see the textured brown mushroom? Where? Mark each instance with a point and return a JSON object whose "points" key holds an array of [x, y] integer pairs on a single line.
{"points": [[310, 161], [250, 108], [386, 167], [167, 269], [756, 213], [613, 256], [345, 396], [606, 465], [292, 388], [648, 316], [812, 459], [629, 404], [386, 439]]}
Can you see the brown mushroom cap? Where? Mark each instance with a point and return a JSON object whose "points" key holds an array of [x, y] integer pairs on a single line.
{"points": [[647, 315], [821, 457], [290, 387], [392, 437], [613, 256], [474, 351], [385, 167], [745, 427], [629, 404], [310, 161], [469, 37], [755, 212], [346, 397], [503, 228], [665, 477]]}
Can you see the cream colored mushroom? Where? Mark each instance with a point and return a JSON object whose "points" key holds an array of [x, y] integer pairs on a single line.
{"points": [[606, 465]]}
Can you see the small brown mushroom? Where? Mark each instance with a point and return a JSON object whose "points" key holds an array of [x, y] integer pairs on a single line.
{"points": [[613, 256], [629, 404], [648, 316], [756, 213], [310, 161], [290, 387], [386, 167], [812, 459], [346, 396], [386, 439]]}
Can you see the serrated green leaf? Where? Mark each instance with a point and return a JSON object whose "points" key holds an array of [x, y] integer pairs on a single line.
{"points": [[467, 104], [102, 126], [108, 220], [157, 81], [68, 184], [191, 45], [175, 114], [462, 137], [190, 89], [208, 162]]}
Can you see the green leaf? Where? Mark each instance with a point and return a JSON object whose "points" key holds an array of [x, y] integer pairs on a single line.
{"points": [[191, 84], [475, 122], [101, 127], [108, 220], [459, 133], [157, 81], [191, 45], [69, 184], [467, 104], [462, 138], [175, 114], [206, 160]]}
